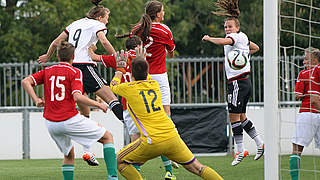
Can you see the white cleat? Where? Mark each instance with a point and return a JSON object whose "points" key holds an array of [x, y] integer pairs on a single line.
{"points": [[260, 152], [90, 158], [238, 157]]}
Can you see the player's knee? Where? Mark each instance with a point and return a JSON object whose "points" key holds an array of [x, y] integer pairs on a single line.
{"points": [[194, 167], [106, 138]]}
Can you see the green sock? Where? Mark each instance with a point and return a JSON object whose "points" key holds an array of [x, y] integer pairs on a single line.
{"points": [[137, 167], [109, 155], [167, 164], [67, 171], [294, 164]]}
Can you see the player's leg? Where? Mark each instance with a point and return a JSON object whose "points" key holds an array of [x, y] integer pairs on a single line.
{"points": [[58, 133], [107, 95], [238, 91], [132, 130], [301, 138], [68, 165], [167, 110], [248, 126], [134, 153], [204, 172], [294, 162], [109, 154], [178, 151]]}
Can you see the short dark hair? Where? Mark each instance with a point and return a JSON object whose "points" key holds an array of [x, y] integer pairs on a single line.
{"points": [[133, 42], [139, 68], [65, 51]]}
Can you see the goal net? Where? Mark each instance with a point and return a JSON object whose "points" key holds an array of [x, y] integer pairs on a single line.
{"points": [[297, 28]]}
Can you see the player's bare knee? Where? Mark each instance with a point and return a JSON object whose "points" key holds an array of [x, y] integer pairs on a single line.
{"points": [[106, 138]]}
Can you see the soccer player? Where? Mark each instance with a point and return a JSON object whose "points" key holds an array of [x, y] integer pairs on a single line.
{"points": [[158, 40], [82, 33], [308, 118], [110, 61], [239, 84], [63, 88], [158, 133]]}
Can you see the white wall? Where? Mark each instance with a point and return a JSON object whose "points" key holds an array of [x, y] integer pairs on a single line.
{"points": [[41, 144], [287, 127], [11, 136], [43, 147]]}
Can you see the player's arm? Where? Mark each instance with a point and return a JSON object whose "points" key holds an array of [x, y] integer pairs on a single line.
{"points": [[79, 98], [170, 54], [218, 41], [52, 48], [105, 43], [253, 47], [93, 55], [27, 84]]}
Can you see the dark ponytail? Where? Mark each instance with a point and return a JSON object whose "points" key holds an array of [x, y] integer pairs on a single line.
{"points": [[143, 28]]}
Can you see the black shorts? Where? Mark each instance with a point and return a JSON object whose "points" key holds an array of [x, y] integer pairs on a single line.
{"points": [[239, 92], [91, 78]]}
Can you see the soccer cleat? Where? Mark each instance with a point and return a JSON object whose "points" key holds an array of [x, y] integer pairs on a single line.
{"points": [[169, 176], [260, 152], [174, 165], [90, 158], [238, 157]]}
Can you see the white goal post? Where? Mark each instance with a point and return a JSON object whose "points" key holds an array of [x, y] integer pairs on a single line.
{"points": [[271, 118]]}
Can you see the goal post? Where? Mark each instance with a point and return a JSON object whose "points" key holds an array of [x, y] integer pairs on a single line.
{"points": [[271, 118]]}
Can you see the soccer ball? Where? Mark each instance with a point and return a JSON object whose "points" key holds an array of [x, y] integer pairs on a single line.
{"points": [[237, 59]]}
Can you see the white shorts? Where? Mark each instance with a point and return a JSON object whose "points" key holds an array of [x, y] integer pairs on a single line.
{"points": [[307, 128], [163, 82], [131, 126], [78, 128]]}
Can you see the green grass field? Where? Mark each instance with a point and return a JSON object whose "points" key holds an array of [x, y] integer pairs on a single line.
{"points": [[153, 170]]}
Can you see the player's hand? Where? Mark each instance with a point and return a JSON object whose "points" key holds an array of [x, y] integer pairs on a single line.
{"points": [[121, 60], [39, 102], [141, 52], [43, 59], [103, 106], [205, 38], [93, 47]]}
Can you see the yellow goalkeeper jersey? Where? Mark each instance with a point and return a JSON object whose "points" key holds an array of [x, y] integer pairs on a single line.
{"points": [[144, 104]]}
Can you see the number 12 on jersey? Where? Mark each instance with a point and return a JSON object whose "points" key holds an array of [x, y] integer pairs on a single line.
{"points": [[150, 93]]}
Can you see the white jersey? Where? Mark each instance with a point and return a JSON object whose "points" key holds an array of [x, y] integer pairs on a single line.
{"points": [[241, 42], [82, 34]]}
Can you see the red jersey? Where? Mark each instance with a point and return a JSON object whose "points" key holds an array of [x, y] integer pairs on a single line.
{"points": [[303, 88], [160, 39], [60, 81], [110, 61]]}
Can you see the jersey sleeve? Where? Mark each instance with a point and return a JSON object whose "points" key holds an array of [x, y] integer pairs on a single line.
{"points": [[100, 27], [299, 87], [108, 61], [170, 46], [233, 37], [117, 88], [76, 83], [38, 78]]}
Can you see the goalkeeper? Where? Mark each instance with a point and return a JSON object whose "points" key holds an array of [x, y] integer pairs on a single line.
{"points": [[158, 134]]}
